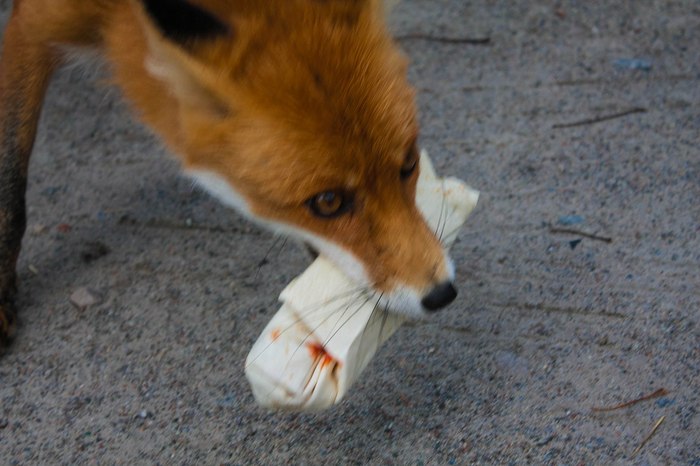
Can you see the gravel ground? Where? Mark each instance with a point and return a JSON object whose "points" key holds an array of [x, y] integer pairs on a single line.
{"points": [[578, 271]]}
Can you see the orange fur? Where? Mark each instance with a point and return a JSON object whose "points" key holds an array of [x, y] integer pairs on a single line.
{"points": [[305, 96]]}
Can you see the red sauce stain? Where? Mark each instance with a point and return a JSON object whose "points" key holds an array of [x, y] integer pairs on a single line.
{"points": [[275, 334], [317, 351]]}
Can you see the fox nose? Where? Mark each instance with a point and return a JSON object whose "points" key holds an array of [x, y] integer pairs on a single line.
{"points": [[439, 297]]}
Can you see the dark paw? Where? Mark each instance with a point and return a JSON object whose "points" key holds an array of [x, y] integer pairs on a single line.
{"points": [[8, 322]]}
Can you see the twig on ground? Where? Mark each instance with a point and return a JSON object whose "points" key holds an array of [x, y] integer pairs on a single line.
{"points": [[656, 394], [446, 40], [590, 121], [572, 231], [648, 437]]}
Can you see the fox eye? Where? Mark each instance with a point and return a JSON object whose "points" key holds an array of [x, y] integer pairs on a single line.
{"points": [[410, 163], [330, 204]]}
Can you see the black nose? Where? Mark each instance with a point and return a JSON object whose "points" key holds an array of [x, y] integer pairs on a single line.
{"points": [[439, 297]]}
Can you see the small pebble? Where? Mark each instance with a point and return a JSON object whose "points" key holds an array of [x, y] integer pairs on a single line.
{"points": [[39, 229], [83, 297], [570, 220], [633, 64], [663, 402]]}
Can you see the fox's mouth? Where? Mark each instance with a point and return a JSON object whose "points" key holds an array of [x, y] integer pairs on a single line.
{"points": [[313, 252], [405, 300]]}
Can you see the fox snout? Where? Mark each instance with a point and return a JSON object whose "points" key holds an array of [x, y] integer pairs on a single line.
{"points": [[405, 260], [422, 279], [403, 298], [440, 296]]}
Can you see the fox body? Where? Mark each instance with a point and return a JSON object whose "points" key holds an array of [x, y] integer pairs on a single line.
{"points": [[295, 112]]}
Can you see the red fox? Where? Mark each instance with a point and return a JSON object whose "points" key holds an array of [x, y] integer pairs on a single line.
{"points": [[297, 113]]}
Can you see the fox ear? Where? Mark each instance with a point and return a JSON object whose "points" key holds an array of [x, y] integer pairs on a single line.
{"points": [[177, 32], [184, 23]]}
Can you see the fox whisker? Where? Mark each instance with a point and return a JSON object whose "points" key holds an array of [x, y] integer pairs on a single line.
{"points": [[311, 310], [354, 313], [264, 261]]}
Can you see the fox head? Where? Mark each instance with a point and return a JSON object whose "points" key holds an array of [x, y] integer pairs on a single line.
{"points": [[298, 113]]}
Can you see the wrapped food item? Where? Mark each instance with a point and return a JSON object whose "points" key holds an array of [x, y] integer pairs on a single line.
{"points": [[329, 328]]}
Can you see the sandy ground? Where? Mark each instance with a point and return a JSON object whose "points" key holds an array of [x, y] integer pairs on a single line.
{"points": [[549, 322]]}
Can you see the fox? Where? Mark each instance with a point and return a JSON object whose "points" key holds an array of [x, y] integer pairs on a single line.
{"points": [[296, 113]]}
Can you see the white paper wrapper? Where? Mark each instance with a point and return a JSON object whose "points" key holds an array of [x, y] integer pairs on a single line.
{"points": [[327, 330]]}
